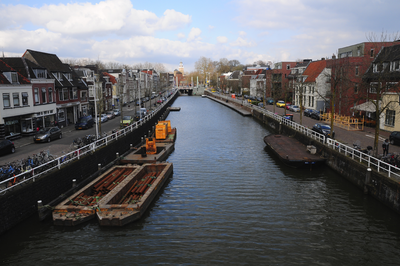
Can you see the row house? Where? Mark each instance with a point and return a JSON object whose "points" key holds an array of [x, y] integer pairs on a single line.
{"points": [[277, 85], [312, 86], [70, 90], [18, 103], [42, 113], [383, 77], [257, 83]]}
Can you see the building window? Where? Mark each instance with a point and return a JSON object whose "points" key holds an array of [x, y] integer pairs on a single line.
{"points": [[372, 53], [24, 99], [44, 92], [74, 93], [16, 99], [390, 118], [356, 70], [359, 51], [395, 66], [373, 88], [6, 99], [36, 92], [40, 73], [84, 96], [390, 85], [355, 88], [50, 95], [287, 67]]}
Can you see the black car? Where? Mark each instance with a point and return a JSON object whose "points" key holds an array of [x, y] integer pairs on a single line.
{"points": [[84, 122], [308, 112], [324, 130], [6, 147], [315, 114], [48, 134], [394, 138]]}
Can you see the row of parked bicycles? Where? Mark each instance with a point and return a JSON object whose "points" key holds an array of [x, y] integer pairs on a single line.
{"points": [[12, 170]]}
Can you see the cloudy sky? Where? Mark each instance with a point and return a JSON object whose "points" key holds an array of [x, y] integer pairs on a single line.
{"points": [[169, 32]]}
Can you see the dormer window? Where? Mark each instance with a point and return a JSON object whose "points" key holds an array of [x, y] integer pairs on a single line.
{"points": [[379, 67], [395, 66], [68, 76], [11, 76], [40, 73], [58, 75]]}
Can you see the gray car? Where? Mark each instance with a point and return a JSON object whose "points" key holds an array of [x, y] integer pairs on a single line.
{"points": [[47, 134]]}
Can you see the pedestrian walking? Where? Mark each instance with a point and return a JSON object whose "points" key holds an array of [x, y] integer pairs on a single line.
{"points": [[385, 147]]}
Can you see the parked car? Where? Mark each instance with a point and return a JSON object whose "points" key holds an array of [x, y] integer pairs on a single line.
{"points": [[324, 129], [315, 114], [6, 147], [84, 122], [280, 104], [269, 101], [294, 108], [140, 113], [48, 134], [287, 106], [117, 112], [261, 105], [394, 138], [103, 118], [127, 120], [110, 115], [308, 112]]}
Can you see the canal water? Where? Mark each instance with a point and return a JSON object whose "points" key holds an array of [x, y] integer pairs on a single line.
{"points": [[229, 202]]}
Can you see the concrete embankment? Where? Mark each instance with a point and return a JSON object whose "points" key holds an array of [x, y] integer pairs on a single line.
{"points": [[376, 184]]}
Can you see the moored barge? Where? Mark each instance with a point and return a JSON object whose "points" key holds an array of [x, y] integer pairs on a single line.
{"points": [[157, 148], [82, 206], [128, 203], [291, 152]]}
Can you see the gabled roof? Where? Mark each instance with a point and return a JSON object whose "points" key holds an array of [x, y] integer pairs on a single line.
{"points": [[49, 61], [313, 70], [23, 66], [113, 80], [4, 67]]}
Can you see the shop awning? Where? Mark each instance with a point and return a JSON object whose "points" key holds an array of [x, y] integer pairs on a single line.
{"points": [[367, 107]]}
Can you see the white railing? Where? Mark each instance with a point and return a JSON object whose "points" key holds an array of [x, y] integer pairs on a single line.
{"points": [[56, 164], [371, 162]]}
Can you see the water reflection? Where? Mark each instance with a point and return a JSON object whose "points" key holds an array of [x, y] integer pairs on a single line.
{"points": [[229, 202]]}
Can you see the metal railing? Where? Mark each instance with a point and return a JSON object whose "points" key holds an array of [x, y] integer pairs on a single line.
{"points": [[370, 161], [56, 164]]}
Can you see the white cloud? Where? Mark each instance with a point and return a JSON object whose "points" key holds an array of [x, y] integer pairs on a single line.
{"points": [[210, 27], [181, 35], [241, 42], [222, 39], [194, 35], [242, 33], [108, 16]]}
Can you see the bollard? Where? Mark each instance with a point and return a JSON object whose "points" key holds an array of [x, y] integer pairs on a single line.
{"points": [[130, 146], [367, 180], [99, 166], [280, 127], [117, 154], [39, 205], [73, 182]]}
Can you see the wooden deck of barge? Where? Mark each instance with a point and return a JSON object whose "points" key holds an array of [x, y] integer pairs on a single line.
{"points": [[292, 152]]}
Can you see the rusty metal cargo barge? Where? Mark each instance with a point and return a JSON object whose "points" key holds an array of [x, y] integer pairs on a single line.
{"points": [[129, 203], [81, 206], [293, 153], [119, 196]]}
